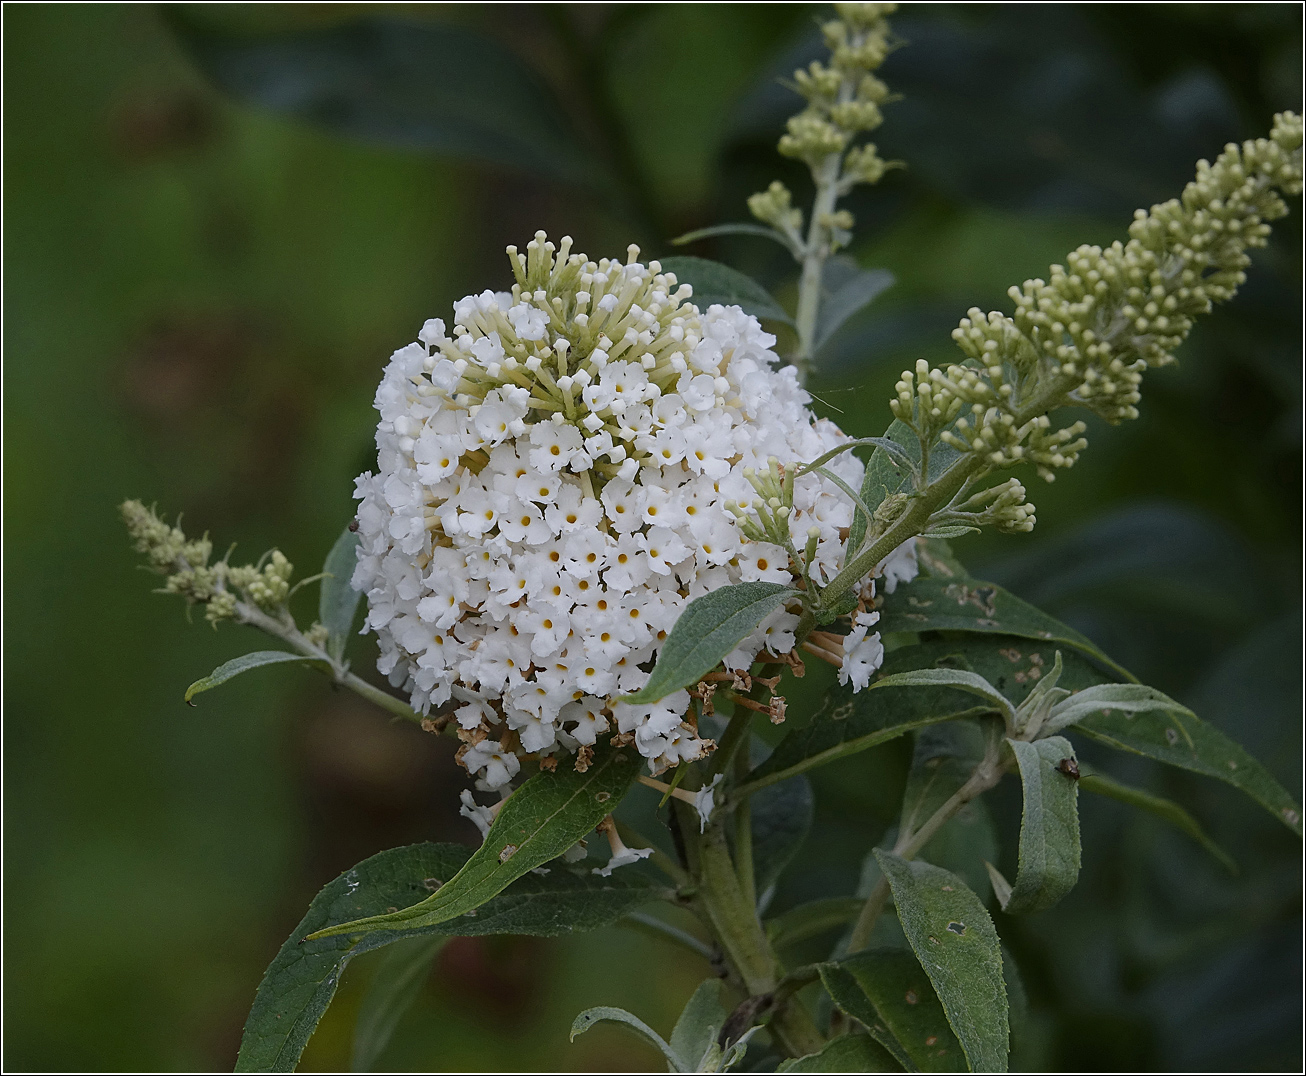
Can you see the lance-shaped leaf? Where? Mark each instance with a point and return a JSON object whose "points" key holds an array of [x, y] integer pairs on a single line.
{"points": [[765, 231], [893, 472], [391, 993], [716, 283], [848, 722], [302, 978], [711, 626], [888, 991], [848, 1053], [694, 1039], [337, 600], [245, 662], [953, 938], [935, 558], [781, 816], [961, 679], [1124, 698], [930, 604], [1191, 744], [811, 919], [1163, 808], [537, 823], [1049, 824], [845, 289], [611, 1014]]}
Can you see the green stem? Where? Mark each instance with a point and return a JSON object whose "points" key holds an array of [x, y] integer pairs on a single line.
{"points": [[985, 775], [743, 822]]}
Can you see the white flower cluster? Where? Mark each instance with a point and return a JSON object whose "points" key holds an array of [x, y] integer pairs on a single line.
{"points": [[553, 482]]}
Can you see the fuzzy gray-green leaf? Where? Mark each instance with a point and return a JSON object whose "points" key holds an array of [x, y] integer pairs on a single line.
{"points": [[537, 823], [954, 940], [848, 1053], [699, 1024], [1049, 825], [337, 600], [302, 978], [716, 283], [961, 679], [711, 626], [601, 1013], [245, 662]]}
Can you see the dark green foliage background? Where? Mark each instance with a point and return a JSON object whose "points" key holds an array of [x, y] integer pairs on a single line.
{"points": [[199, 298]]}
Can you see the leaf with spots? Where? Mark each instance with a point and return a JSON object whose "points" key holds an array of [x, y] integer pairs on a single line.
{"points": [[302, 978], [955, 942], [711, 626], [931, 603], [1049, 825], [888, 991], [1189, 743], [537, 823]]}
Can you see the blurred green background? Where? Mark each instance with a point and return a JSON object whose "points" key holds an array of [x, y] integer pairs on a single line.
{"points": [[220, 222]]}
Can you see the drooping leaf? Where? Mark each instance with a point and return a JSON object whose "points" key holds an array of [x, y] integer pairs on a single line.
{"points": [[781, 816], [392, 991], [302, 978], [888, 991], [711, 626], [537, 823], [846, 288], [811, 919], [245, 662], [929, 604], [953, 938], [337, 600], [848, 1053], [1049, 825], [1123, 698], [694, 1038], [601, 1013], [848, 722], [740, 228], [396, 82], [1168, 810], [1191, 744], [961, 679], [716, 283]]}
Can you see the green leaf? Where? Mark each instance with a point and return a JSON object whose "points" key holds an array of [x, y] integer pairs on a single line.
{"points": [[245, 662], [944, 758], [337, 600], [1163, 808], [601, 1013], [1124, 698], [929, 604], [716, 283], [1049, 825], [888, 991], [846, 288], [848, 1053], [302, 978], [812, 919], [961, 679], [695, 1036], [711, 626], [886, 472], [1191, 744], [781, 816], [537, 823], [936, 559], [953, 938], [392, 991], [848, 722], [740, 228], [398, 82]]}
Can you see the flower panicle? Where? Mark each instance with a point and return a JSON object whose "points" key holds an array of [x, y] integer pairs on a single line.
{"points": [[221, 586], [1084, 336]]}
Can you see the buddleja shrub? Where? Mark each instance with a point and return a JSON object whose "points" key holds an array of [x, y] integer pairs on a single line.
{"points": [[605, 525]]}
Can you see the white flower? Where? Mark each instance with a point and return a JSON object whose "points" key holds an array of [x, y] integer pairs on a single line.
{"points": [[554, 473]]}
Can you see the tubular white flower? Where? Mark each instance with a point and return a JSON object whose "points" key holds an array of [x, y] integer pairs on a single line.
{"points": [[552, 490]]}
